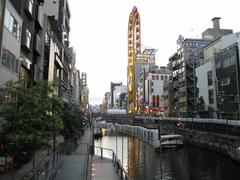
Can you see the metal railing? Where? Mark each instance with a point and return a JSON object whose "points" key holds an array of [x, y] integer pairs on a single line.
{"points": [[116, 162], [46, 168]]}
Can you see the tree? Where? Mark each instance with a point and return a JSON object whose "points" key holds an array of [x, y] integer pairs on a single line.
{"points": [[73, 121], [204, 110], [29, 117]]}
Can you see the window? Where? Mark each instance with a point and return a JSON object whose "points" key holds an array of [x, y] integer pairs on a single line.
{"points": [[153, 101], [9, 61], [157, 77], [28, 39], [161, 77], [16, 66], [225, 81], [229, 61], [166, 77], [209, 75], [12, 25], [218, 64], [153, 77], [225, 62], [232, 60], [210, 96], [157, 100]]}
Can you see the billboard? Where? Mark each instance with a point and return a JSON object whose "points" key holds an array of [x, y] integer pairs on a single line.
{"points": [[142, 58]]}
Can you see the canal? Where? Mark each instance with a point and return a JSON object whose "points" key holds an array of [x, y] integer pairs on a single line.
{"points": [[142, 162]]}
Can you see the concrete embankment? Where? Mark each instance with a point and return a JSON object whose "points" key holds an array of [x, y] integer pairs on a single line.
{"points": [[217, 142]]}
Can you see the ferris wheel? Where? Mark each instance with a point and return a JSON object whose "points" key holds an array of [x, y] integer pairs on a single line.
{"points": [[134, 47]]}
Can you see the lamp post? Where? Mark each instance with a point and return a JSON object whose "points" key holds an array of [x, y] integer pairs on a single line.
{"points": [[160, 147]]}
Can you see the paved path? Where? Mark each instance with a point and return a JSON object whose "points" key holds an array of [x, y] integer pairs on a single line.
{"points": [[103, 169], [76, 165]]}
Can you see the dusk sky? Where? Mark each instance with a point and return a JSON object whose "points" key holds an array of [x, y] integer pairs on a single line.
{"points": [[99, 33]]}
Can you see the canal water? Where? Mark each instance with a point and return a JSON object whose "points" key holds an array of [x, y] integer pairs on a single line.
{"points": [[142, 162]]}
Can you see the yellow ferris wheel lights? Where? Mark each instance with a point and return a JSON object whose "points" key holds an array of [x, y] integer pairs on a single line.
{"points": [[134, 41]]}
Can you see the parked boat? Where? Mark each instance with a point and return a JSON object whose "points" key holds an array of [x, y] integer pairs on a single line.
{"points": [[171, 141]]}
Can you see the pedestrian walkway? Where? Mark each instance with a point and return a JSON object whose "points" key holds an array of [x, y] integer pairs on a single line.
{"points": [[79, 164], [103, 169], [76, 164]]}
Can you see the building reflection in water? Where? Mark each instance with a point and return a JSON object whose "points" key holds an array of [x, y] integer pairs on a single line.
{"points": [[188, 163]]}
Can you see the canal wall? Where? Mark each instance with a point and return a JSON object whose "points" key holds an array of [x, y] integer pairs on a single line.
{"points": [[214, 142], [203, 135]]}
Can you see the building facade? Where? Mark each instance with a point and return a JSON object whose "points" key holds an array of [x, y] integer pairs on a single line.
{"points": [[119, 94], [10, 45], [154, 90], [112, 86]]}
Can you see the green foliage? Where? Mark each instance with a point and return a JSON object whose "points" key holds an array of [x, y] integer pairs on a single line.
{"points": [[73, 121], [30, 115], [203, 110]]}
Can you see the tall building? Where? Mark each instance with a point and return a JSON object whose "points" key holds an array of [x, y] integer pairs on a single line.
{"points": [[30, 38], [218, 77], [10, 44], [106, 101], [119, 98], [84, 102], [154, 89], [145, 62], [182, 69], [59, 13], [112, 86], [134, 48], [189, 56]]}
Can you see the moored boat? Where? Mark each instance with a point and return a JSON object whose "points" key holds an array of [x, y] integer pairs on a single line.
{"points": [[171, 141]]}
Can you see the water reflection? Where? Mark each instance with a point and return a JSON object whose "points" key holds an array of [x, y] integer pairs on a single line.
{"points": [[188, 163]]}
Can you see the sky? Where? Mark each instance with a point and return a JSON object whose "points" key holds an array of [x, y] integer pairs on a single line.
{"points": [[99, 33]]}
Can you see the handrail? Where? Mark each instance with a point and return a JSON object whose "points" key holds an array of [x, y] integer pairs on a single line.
{"points": [[117, 164]]}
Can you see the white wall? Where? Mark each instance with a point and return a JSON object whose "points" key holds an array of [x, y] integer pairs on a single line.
{"points": [[50, 8], [116, 93], [202, 82], [157, 86]]}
